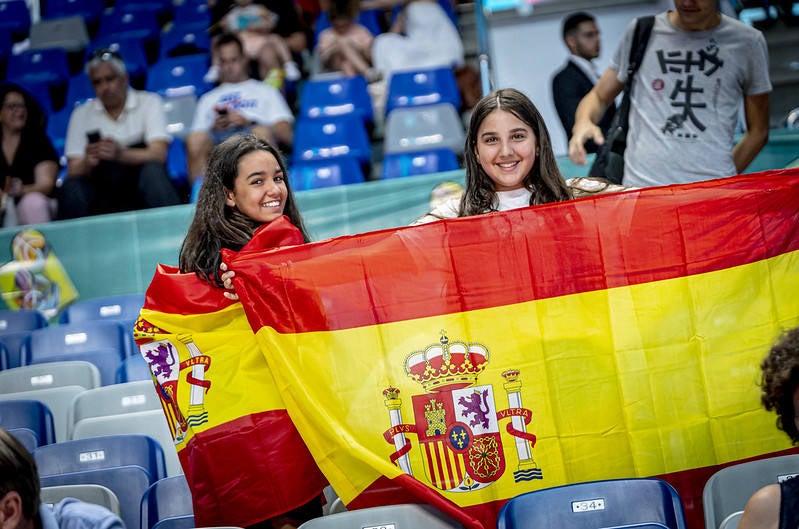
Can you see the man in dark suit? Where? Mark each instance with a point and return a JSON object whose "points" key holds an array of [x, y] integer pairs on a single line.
{"points": [[575, 80]]}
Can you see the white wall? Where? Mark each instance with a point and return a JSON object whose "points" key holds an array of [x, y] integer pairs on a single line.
{"points": [[526, 51]]}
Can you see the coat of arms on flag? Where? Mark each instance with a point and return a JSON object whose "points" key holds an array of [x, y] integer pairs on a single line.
{"points": [[457, 421]]}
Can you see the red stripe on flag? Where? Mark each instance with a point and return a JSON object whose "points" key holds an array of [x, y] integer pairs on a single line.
{"points": [[250, 453], [589, 244]]}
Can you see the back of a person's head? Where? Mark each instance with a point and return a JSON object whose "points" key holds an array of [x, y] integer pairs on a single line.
{"points": [[18, 474], [343, 9], [575, 19]]}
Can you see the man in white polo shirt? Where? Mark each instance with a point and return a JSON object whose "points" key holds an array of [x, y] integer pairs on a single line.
{"points": [[116, 146]]}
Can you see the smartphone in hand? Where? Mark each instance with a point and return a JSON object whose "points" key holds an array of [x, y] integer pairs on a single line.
{"points": [[93, 136]]}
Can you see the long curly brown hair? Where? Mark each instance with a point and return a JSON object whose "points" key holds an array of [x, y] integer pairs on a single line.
{"points": [[780, 380], [217, 225], [544, 181]]}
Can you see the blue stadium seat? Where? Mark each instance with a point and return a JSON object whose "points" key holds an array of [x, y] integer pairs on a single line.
{"points": [[191, 12], [103, 343], [90, 10], [315, 174], [422, 87], [79, 90], [126, 464], [176, 162], [185, 40], [15, 19], [123, 307], [32, 415], [57, 128], [6, 47], [174, 76], [167, 499], [132, 51], [613, 503], [40, 90], [3, 357], [330, 137], [336, 97], [140, 24], [26, 437], [48, 65], [400, 164], [15, 326], [133, 368]]}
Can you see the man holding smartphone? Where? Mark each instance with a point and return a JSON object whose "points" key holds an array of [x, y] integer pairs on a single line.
{"points": [[238, 105], [116, 146]]}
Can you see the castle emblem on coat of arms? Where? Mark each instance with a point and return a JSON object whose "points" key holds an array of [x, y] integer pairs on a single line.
{"points": [[457, 421]]}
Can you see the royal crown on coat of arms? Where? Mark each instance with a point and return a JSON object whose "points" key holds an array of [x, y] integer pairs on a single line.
{"points": [[447, 365]]}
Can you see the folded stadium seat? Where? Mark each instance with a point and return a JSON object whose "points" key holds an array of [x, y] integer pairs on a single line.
{"points": [[412, 129], [103, 343], [191, 12], [88, 492], [161, 8], [48, 65], [400, 164], [90, 10], [15, 19], [126, 464], [728, 490], [422, 87], [128, 408], [315, 174], [117, 399], [57, 399], [6, 47], [175, 76], [3, 357], [179, 110], [403, 516], [139, 24], [69, 33], [167, 504], [57, 125], [15, 325], [41, 92], [121, 308], [79, 90], [336, 97], [25, 436], [31, 415], [176, 166], [133, 53], [618, 503], [134, 368], [330, 137], [49, 375], [185, 40]]}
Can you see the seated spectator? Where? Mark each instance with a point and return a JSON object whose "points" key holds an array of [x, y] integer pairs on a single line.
{"points": [[29, 163], [20, 500], [116, 146], [271, 35], [775, 506], [422, 36], [346, 46], [239, 105]]}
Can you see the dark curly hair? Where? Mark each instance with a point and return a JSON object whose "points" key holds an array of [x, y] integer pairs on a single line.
{"points": [[780, 380]]}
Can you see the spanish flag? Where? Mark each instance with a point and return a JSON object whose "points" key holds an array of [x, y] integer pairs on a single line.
{"points": [[467, 361], [242, 456]]}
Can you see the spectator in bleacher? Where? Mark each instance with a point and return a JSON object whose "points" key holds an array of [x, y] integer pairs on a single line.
{"points": [[116, 146], [776, 506], [346, 46], [29, 162], [509, 160], [20, 501], [271, 34], [238, 105], [422, 36]]}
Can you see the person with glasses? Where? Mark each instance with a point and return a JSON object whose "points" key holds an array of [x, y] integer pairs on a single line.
{"points": [[29, 162], [116, 146]]}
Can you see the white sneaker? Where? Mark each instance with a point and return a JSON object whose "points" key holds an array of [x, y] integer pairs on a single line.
{"points": [[292, 71]]}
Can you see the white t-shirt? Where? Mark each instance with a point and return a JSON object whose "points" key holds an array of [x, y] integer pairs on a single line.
{"points": [[686, 98], [258, 102], [142, 121]]}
